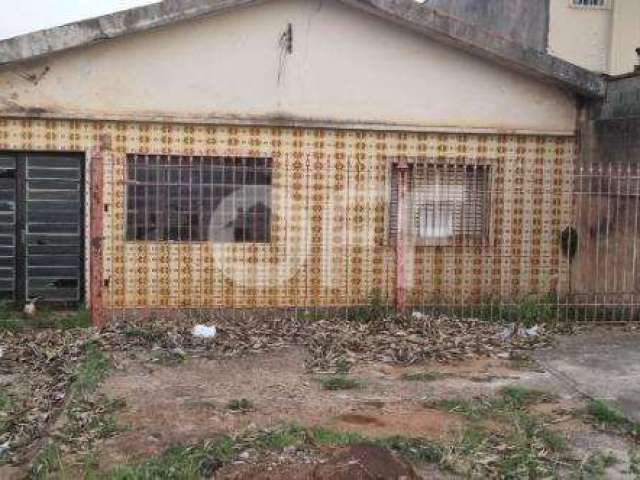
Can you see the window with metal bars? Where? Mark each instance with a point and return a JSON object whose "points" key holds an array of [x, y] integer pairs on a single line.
{"points": [[179, 198], [590, 3], [445, 204]]}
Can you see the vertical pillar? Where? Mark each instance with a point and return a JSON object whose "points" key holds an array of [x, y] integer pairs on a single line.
{"points": [[96, 306], [401, 281]]}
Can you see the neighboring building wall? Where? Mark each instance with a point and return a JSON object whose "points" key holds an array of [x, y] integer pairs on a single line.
{"points": [[612, 131], [602, 39], [345, 68], [329, 242], [625, 36], [524, 21], [580, 35]]}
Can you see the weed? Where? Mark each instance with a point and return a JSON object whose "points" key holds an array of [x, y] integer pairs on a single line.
{"points": [[413, 448], [92, 370], [5, 402], [240, 405], [343, 366], [596, 465], [170, 358], [521, 396], [79, 319], [429, 376], [280, 438], [323, 436], [375, 309], [612, 417], [47, 463], [185, 463], [339, 382], [604, 413]]}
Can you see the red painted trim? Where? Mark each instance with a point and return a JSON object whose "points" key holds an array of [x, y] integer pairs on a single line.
{"points": [[96, 241], [401, 281]]}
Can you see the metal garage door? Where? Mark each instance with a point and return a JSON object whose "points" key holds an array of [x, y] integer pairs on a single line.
{"points": [[41, 234]]}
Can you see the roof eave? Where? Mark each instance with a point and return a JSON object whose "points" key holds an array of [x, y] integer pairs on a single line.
{"points": [[458, 33], [42, 43], [430, 22]]}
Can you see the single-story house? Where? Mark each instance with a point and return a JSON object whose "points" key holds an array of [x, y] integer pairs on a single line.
{"points": [[244, 153]]}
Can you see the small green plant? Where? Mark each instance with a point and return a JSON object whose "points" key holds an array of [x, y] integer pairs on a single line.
{"points": [[375, 309], [170, 358], [595, 467], [339, 382], [5, 401], [180, 462], [324, 436], [47, 462], [413, 448], [428, 376], [521, 396], [343, 366], [79, 319], [240, 405], [604, 413], [280, 438], [93, 369]]}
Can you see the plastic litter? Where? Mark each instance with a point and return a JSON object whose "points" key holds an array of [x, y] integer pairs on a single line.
{"points": [[419, 315], [204, 331], [533, 331]]}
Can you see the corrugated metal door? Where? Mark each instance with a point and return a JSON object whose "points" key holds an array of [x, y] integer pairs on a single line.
{"points": [[46, 236], [8, 177]]}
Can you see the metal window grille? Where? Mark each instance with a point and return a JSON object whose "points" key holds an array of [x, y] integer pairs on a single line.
{"points": [[590, 3], [179, 198], [446, 204]]}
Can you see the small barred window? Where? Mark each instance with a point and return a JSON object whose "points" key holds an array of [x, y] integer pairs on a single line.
{"points": [[446, 204]]}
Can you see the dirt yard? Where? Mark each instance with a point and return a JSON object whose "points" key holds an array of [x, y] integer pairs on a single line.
{"points": [[149, 402]]}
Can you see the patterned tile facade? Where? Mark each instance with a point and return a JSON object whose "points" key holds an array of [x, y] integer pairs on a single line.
{"points": [[330, 200]]}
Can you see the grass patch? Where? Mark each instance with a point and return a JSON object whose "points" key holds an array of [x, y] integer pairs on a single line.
{"points": [[339, 382], [240, 405], [521, 396], [45, 317], [48, 463], [79, 319], [522, 447], [428, 376], [93, 369], [5, 402], [611, 417], [201, 461], [596, 466], [184, 463], [510, 399], [604, 413]]}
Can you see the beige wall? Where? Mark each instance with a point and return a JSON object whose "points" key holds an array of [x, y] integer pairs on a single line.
{"points": [[346, 68], [625, 36], [599, 39]]}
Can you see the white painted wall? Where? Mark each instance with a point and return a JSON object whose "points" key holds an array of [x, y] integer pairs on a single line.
{"points": [[599, 39], [346, 66], [580, 35], [625, 36]]}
